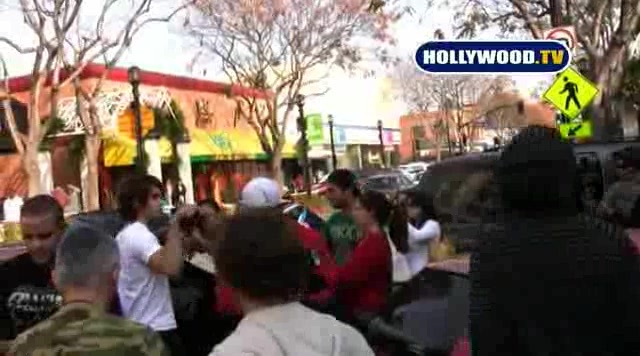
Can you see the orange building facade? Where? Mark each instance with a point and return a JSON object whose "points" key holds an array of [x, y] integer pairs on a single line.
{"points": [[418, 135], [221, 142]]}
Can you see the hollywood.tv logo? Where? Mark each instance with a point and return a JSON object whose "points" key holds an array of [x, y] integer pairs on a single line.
{"points": [[482, 57]]}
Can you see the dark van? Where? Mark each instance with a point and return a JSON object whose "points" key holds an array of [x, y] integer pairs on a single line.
{"points": [[465, 196]]}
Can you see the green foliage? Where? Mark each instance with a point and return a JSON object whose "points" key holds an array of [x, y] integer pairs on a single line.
{"points": [[630, 89], [170, 123], [77, 149], [52, 127]]}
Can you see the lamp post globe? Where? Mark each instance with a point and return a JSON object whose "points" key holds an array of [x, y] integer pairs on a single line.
{"points": [[134, 75]]}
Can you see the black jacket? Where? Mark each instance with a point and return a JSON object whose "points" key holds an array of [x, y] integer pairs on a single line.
{"points": [[554, 286]]}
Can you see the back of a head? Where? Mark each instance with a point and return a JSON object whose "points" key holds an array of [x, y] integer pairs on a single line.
{"points": [[212, 204], [536, 172], [389, 215], [261, 192], [86, 257], [377, 203], [134, 191], [423, 201], [43, 205], [261, 256]]}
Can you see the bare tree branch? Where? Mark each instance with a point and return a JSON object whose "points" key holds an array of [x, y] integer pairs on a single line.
{"points": [[282, 48], [18, 140]]}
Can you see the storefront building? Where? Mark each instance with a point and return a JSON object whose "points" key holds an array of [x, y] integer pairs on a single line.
{"points": [[356, 147], [221, 148]]}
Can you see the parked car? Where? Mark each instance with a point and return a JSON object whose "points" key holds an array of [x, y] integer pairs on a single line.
{"points": [[433, 307], [390, 183], [414, 170]]}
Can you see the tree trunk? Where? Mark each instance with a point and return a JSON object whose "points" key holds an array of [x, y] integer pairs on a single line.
{"points": [[275, 165], [438, 150], [608, 81], [92, 183], [31, 167]]}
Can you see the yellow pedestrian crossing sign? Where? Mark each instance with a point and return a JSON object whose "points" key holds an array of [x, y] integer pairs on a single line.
{"points": [[571, 93]]}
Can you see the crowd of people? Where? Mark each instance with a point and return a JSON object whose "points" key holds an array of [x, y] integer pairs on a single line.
{"points": [[546, 282], [273, 273]]}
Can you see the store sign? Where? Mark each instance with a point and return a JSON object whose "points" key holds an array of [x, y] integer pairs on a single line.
{"points": [[315, 131], [370, 136], [339, 136], [221, 140]]}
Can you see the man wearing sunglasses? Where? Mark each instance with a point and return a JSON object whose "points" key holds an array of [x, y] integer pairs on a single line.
{"points": [[27, 294]]}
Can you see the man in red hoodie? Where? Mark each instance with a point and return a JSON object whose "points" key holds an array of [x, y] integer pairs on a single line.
{"points": [[264, 192]]}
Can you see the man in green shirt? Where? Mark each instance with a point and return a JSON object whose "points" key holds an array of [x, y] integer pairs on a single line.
{"points": [[340, 229]]}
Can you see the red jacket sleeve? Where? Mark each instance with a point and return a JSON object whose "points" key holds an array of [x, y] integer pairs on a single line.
{"points": [[326, 268], [225, 304], [369, 259]]}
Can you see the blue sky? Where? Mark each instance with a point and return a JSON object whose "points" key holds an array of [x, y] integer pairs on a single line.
{"points": [[161, 48]]}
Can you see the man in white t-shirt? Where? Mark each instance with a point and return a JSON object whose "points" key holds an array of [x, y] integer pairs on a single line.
{"points": [[143, 284]]}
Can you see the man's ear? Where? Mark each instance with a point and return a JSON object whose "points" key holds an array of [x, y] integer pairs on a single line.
{"points": [[54, 278], [115, 274]]}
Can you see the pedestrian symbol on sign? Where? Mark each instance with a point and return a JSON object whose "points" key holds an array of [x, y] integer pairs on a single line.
{"points": [[571, 93], [571, 89]]}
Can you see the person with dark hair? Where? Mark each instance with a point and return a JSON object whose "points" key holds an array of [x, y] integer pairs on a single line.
{"points": [[262, 192], [547, 282], [211, 203], [266, 267], [86, 272], [341, 231], [423, 228], [27, 295], [143, 285], [364, 281]]}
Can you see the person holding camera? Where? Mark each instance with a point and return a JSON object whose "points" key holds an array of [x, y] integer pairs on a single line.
{"points": [[143, 284]]}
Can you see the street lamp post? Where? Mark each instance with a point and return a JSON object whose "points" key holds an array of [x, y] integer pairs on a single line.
{"points": [[334, 159], [134, 80], [381, 141], [302, 127]]}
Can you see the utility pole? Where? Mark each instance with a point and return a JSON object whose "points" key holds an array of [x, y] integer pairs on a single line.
{"points": [[334, 158], [302, 127], [381, 142]]}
